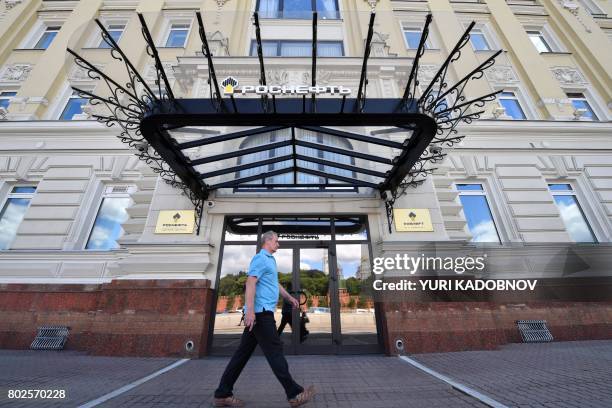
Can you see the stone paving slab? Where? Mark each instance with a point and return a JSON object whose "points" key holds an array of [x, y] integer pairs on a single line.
{"points": [[83, 377], [563, 374], [341, 381]]}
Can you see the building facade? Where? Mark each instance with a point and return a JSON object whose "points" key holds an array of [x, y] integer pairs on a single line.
{"points": [[79, 211]]}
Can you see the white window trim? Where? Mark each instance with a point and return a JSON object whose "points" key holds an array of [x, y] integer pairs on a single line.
{"points": [[413, 26], [103, 191], [95, 39], [590, 217], [55, 110], [593, 8], [596, 103], [491, 198], [9, 98], [37, 31], [526, 106], [8, 187], [165, 30], [551, 39]]}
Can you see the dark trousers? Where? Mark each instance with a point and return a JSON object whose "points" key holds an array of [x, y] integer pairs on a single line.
{"points": [[263, 333], [285, 319]]}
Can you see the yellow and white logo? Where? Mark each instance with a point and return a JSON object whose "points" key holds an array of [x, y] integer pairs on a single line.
{"points": [[229, 84]]}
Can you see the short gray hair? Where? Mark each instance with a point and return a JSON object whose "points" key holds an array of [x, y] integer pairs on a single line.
{"points": [[268, 235]]}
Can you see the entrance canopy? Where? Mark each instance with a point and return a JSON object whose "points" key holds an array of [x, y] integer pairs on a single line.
{"points": [[273, 137]]}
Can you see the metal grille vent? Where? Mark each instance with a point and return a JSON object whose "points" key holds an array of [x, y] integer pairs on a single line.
{"points": [[50, 338], [119, 189], [534, 331]]}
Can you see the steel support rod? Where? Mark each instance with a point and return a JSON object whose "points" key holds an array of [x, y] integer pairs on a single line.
{"points": [[412, 79], [207, 54], [151, 45], [366, 54], [115, 46], [314, 56]]}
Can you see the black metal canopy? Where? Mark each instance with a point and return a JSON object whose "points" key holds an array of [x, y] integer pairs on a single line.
{"points": [[298, 142]]}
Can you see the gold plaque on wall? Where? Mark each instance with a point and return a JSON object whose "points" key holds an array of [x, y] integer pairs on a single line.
{"points": [[412, 220], [175, 222]]}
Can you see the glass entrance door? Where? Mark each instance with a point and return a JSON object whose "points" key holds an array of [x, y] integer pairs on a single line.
{"points": [[317, 321], [324, 262]]}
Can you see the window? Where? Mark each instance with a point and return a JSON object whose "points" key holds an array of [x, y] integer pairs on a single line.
{"points": [[412, 36], [580, 102], [479, 41], [5, 98], [111, 214], [477, 213], [177, 36], [538, 40], [290, 176], [511, 105], [115, 31], [47, 37], [577, 226], [13, 212], [298, 48], [298, 9], [74, 106]]}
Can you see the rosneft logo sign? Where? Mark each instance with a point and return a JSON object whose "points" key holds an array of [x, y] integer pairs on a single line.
{"points": [[229, 84], [231, 87]]}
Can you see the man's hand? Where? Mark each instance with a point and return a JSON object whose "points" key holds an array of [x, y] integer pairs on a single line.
{"points": [[294, 302], [249, 319]]}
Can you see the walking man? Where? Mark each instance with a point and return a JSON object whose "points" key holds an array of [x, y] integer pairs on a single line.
{"points": [[262, 290]]}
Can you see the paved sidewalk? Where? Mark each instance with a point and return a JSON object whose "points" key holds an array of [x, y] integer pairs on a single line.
{"points": [[560, 375], [573, 374]]}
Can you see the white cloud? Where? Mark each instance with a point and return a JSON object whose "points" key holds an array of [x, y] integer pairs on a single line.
{"points": [[484, 231], [575, 223], [11, 218]]}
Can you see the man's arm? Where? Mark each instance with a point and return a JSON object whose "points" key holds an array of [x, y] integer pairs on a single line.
{"points": [[249, 318]]}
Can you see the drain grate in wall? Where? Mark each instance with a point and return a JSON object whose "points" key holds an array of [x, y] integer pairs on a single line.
{"points": [[534, 331], [50, 338]]}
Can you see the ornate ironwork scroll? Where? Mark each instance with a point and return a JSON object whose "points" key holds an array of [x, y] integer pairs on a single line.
{"points": [[139, 108]]}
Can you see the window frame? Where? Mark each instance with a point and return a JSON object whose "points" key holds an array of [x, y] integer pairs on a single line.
{"points": [[168, 31], [46, 29], [572, 192], [73, 95], [414, 27], [586, 100], [107, 191], [518, 101], [484, 192], [9, 195], [481, 31], [253, 48], [531, 33], [7, 98], [313, 8], [107, 25]]}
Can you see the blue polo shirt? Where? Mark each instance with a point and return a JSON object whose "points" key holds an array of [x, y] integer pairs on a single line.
{"points": [[263, 267]]}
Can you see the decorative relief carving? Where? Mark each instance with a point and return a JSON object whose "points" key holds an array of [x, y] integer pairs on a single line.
{"points": [[218, 43], [568, 75], [379, 45], [574, 8], [372, 3], [323, 77], [80, 74], [150, 71], [16, 72], [427, 72], [501, 74]]}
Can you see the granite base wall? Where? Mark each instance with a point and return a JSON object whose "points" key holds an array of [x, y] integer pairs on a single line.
{"points": [[121, 318]]}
